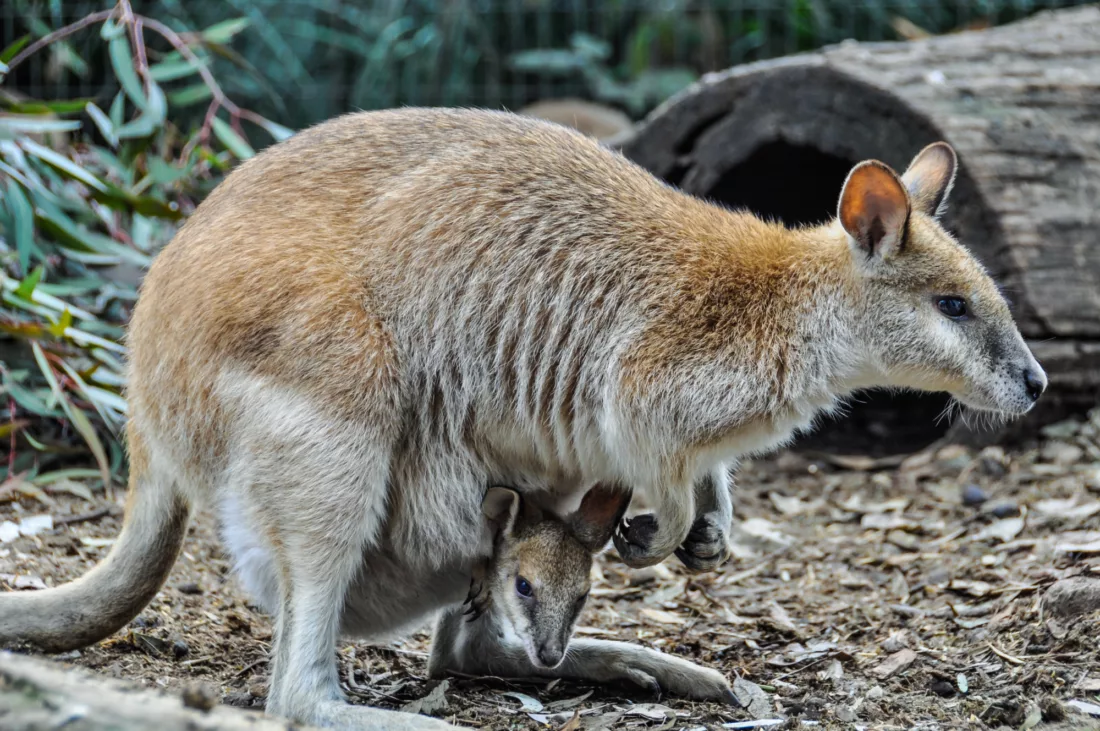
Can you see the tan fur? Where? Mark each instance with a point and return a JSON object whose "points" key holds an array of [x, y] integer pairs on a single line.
{"points": [[368, 323]]}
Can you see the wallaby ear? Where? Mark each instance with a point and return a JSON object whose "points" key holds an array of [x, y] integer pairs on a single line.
{"points": [[930, 177], [501, 506], [874, 209], [601, 510]]}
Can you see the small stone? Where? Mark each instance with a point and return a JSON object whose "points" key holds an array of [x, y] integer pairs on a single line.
{"points": [[953, 456], [992, 461], [875, 693], [180, 649], [1005, 510], [257, 690], [189, 588], [973, 495], [199, 696], [1073, 597], [943, 689], [1061, 453]]}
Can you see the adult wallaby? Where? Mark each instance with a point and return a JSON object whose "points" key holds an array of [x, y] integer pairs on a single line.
{"points": [[525, 600], [368, 323]]}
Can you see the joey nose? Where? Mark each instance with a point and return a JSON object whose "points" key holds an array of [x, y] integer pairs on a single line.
{"points": [[1035, 383], [551, 654]]}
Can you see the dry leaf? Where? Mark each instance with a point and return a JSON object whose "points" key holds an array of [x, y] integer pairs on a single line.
{"points": [[434, 702], [1003, 530], [661, 617], [753, 699], [527, 703], [32, 525]]}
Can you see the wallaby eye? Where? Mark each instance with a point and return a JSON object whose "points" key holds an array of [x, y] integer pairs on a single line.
{"points": [[953, 307], [523, 587]]}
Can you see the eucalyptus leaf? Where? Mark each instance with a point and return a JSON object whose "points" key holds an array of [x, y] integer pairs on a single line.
{"points": [[232, 141]]}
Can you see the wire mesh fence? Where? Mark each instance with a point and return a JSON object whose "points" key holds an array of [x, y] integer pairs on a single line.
{"points": [[305, 60]]}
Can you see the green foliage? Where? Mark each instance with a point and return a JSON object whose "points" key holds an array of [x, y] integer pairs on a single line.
{"points": [[87, 196], [302, 61]]}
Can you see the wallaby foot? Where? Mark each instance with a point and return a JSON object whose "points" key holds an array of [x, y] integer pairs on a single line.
{"points": [[706, 547]]}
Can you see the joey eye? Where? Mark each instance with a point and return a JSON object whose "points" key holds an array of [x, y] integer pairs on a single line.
{"points": [[953, 307], [523, 587]]}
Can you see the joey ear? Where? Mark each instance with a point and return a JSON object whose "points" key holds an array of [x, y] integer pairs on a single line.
{"points": [[874, 209], [600, 512], [930, 177], [501, 506]]}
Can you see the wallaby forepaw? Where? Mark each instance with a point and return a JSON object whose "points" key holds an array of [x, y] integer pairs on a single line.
{"points": [[705, 547], [634, 540], [645, 680]]}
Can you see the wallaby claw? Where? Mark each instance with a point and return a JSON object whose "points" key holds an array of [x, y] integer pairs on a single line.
{"points": [[634, 540], [705, 547], [478, 600]]}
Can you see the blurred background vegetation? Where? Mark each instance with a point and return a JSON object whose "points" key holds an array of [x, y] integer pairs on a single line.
{"points": [[115, 120]]}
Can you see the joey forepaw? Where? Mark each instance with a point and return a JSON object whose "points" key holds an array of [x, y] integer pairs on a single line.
{"points": [[705, 547]]}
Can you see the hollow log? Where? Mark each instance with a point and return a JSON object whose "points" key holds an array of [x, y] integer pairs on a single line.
{"points": [[1020, 104]]}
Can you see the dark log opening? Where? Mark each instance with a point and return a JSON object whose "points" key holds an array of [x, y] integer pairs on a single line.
{"points": [[800, 185]]}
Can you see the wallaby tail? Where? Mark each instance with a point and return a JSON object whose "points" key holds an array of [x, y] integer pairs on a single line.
{"points": [[102, 601]]}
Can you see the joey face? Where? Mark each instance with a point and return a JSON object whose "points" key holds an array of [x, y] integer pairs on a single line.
{"points": [[539, 575], [929, 315], [540, 583]]}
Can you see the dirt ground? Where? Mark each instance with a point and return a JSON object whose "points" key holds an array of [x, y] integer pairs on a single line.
{"points": [[878, 594]]}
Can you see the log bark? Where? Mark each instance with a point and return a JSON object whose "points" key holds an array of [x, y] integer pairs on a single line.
{"points": [[1020, 104], [37, 694]]}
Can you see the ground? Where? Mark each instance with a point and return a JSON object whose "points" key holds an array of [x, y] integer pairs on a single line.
{"points": [[880, 594]]}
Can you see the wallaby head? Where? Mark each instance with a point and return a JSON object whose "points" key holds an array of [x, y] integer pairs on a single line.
{"points": [[931, 316], [540, 573]]}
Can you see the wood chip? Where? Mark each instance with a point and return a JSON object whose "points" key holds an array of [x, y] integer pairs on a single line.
{"points": [[894, 664]]}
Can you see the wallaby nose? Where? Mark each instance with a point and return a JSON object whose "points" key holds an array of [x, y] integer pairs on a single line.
{"points": [[551, 654], [1035, 383]]}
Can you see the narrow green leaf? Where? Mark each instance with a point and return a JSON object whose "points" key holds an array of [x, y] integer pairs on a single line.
{"points": [[232, 141], [277, 131], [77, 418], [63, 106], [73, 473], [173, 70], [63, 164], [34, 125], [23, 214], [63, 324], [118, 108], [111, 29], [103, 122], [123, 64], [189, 95], [224, 31], [9, 53], [25, 289]]}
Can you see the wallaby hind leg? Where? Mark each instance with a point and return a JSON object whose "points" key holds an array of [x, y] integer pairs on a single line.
{"points": [[322, 510], [473, 648]]}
